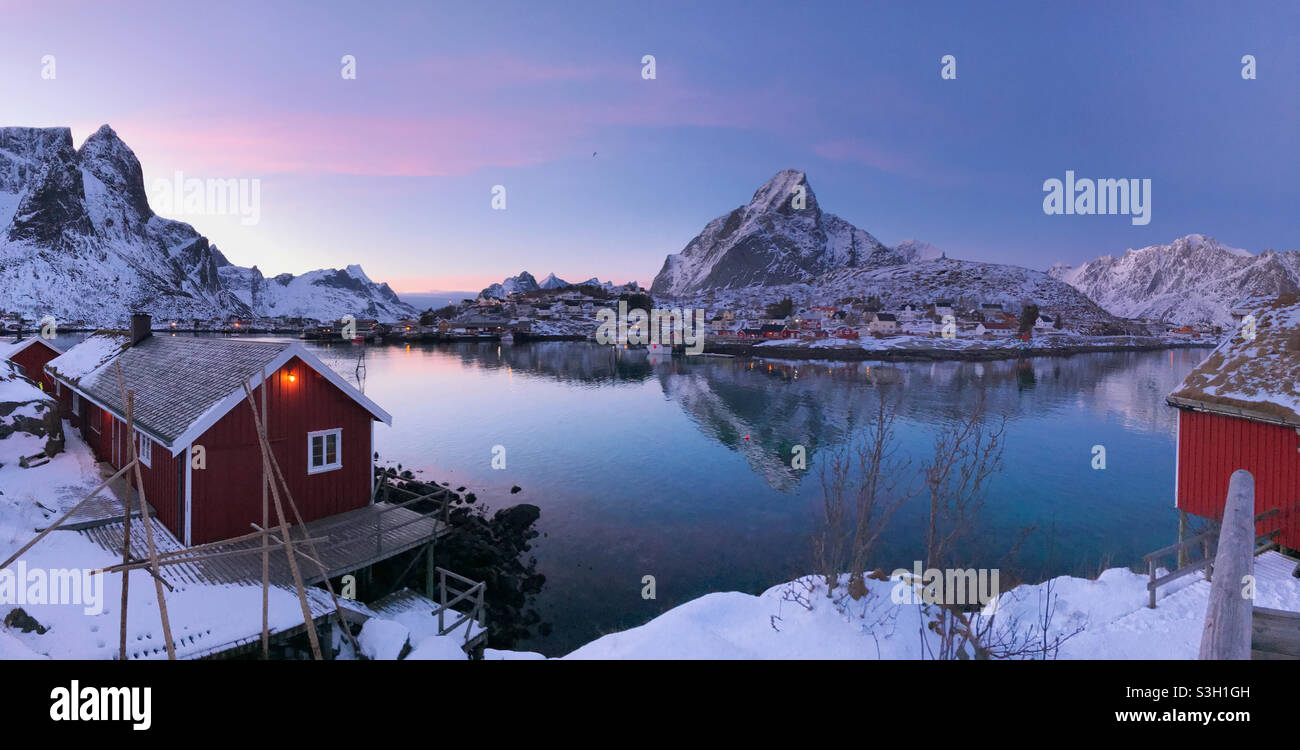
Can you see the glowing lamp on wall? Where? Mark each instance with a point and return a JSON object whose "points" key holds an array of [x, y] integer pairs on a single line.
{"points": [[291, 376]]}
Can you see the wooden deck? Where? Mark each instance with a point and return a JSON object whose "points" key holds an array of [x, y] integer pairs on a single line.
{"points": [[345, 543], [342, 544]]}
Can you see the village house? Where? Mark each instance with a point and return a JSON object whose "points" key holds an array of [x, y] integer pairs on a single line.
{"points": [[1240, 409], [909, 313], [31, 354], [883, 323], [199, 454], [943, 307]]}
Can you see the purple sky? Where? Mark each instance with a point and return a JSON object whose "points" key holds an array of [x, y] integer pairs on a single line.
{"points": [[394, 170]]}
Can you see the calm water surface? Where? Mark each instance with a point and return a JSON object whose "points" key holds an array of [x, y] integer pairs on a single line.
{"points": [[681, 470]]}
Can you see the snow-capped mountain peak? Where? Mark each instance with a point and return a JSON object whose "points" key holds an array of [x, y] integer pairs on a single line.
{"points": [[1193, 279], [79, 241], [781, 236]]}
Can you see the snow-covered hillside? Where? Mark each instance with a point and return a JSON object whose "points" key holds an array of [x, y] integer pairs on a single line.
{"points": [[771, 241], [1194, 279], [79, 241]]}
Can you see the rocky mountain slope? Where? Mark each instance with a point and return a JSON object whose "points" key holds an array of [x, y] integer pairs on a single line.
{"points": [[770, 241], [79, 241], [967, 284], [1194, 279]]}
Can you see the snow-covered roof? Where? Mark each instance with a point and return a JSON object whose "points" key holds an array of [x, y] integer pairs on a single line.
{"points": [[89, 356], [182, 385], [1255, 377], [10, 348]]}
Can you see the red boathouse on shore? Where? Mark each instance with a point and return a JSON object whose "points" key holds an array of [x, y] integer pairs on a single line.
{"points": [[31, 354], [200, 457], [1240, 409]]}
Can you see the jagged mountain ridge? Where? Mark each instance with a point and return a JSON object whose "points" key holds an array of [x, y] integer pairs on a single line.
{"points": [[526, 282], [79, 241], [1193, 279]]}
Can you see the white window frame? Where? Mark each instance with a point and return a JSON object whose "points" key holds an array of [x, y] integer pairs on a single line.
{"points": [[337, 432], [144, 448], [76, 404]]}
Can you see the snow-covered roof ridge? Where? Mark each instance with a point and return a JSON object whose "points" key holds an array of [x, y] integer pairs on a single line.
{"points": [[1255, 373], [10, 348]]}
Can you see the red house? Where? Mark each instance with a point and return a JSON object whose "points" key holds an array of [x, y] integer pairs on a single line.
{"points": [[200, 457], [31, 354], [1240, 409]]}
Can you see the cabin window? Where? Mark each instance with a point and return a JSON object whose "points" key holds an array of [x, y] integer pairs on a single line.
{"points": [[76, 404], [324, 450], [144, 448]]}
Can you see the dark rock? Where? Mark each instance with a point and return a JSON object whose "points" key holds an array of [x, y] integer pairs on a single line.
{"points": [[19, 619]]}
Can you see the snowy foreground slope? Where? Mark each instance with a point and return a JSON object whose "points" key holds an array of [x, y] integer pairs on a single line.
{"points": [[79, 241], [796, 621]]}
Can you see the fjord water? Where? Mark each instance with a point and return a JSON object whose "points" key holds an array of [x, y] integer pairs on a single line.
{"points": [[681, 469]]}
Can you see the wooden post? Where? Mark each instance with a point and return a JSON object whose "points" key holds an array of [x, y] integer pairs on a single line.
{"points": [[144, 520], [266, 557], [1151, 574], [126, 574], [428, 570], [1182, 536], [1228, 617], [67, 515], [270, 461]]}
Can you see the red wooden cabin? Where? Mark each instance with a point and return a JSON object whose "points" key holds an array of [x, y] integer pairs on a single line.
{"points": [[201, 460], [1240, 409], [31, 354]]}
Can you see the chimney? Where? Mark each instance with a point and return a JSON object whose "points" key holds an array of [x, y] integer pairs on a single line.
{"points": [[141, 324]]}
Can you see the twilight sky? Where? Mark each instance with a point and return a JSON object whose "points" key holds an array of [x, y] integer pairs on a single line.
{"points": [[394, 170]]}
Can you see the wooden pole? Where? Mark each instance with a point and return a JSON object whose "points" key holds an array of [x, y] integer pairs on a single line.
{"points": [[144, 518], [284, 530], [165, 561], [311, 545], [126, 574], [67, 515], [266, 553], [1182, 536], [1226, 634]]}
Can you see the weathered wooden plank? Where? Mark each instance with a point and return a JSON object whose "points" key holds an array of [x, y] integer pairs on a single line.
{"points": [[1275, 634], [1227, 631]]}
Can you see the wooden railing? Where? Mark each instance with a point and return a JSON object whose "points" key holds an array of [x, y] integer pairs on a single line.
{"points": [[1226, 634], [441, 498], [473, 594], [1208, 542]]}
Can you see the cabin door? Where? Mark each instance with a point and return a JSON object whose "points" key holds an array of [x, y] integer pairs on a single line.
{"points": [[117, 453]]}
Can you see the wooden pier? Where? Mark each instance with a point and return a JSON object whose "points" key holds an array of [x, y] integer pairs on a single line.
{"points": [[344, 543]]}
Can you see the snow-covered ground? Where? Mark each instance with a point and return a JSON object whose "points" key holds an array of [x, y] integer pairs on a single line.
{"points": [[797, 621], [203, 617]]}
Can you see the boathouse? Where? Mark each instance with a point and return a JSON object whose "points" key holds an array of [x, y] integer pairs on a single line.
{"points": [[31, 355], [200, 455], [1240, 409]]}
